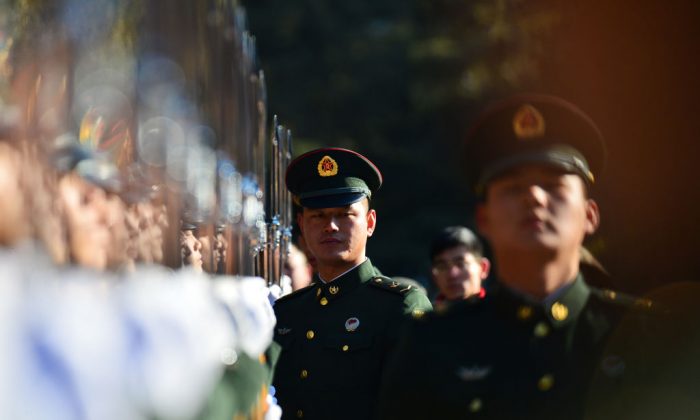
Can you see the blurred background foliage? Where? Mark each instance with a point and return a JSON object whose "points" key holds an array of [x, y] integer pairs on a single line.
{"points": [[401, 81]]}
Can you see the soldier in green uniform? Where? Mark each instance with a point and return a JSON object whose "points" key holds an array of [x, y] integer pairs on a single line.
{"points": [[531, 347], [336, 334]]}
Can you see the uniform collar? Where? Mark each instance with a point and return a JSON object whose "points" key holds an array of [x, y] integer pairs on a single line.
{"points": [[560, 308], [326, 293]]}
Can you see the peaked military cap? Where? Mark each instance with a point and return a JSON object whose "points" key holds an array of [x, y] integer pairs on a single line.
{"points": [[332, 177], [534, 128]]}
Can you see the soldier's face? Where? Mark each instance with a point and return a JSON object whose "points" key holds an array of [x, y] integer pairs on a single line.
{"points": [[536, 208], [338, 236], [458, 273], [191, 248]]}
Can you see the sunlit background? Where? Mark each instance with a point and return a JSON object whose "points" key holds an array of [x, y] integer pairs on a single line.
{"points": [[401, 80]]}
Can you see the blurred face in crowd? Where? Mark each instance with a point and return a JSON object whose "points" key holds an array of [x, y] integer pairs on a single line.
{"points": [[145, 222], [337, 236], [537, 208], [307, 253], [13, 223], [458, 273], [88, 231], [191, 250], [298, 269]]}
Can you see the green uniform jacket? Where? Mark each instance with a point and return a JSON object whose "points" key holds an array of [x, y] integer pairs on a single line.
{"points": [[507, 357], [241, 393], [335, 339]]}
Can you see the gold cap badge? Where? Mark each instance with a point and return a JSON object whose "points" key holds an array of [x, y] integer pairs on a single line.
{"points": [[528, 123], [327, 166]]}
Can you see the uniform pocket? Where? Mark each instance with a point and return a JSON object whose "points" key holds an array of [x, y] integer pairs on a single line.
{"points": [[351, 360]]}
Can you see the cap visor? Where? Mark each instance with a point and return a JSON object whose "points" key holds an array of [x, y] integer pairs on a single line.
{"points": [[329, 201], [547, 157]]}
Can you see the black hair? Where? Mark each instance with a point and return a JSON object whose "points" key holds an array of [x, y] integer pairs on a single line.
{"points": [[454, 236]]}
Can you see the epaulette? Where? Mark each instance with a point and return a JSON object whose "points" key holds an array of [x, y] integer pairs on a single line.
{"points": [[623, 299], [295, 293], [386, 283]]}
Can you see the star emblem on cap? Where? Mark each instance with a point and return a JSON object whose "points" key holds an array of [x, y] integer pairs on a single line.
{"points": [[327, 166], [528, 122]]}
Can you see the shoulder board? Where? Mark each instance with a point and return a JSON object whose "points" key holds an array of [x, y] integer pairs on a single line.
{"points": [[383, 282], [295, 293], [623, 299]]}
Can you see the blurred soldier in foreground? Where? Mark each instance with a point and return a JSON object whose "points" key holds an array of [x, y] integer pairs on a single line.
{"points": [[532, 346], [336, 334], [459, 265]]}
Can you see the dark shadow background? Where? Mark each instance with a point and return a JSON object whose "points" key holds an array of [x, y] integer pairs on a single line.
{"points": [[401, 81]]}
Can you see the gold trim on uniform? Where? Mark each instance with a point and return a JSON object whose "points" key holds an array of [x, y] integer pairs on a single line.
{"points": [[559, 311], [541, 330], [524, 312], [475, 405], [545, 383], [418, 313]]}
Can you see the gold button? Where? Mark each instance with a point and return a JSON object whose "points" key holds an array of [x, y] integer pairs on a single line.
{"points": [[475, 405], [644, 303], [545, 383], [310, 334], [524, 312], [560, 311], [304, 374], [346, 347], [324, 301], [541, 330], [300, 414]]}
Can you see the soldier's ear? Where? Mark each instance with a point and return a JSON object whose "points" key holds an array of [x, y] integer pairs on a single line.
{"points": [[592, 216], [371, 221]]}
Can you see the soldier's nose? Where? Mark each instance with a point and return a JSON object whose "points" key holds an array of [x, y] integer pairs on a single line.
{"points": [[535, 194], [331, 226]]}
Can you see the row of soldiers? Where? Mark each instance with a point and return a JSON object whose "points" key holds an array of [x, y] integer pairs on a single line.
{"points": [[541, 344]]}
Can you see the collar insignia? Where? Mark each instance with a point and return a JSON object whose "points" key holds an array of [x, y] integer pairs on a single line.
{"points": [[528, 123], [474, 373], [327, 166], [283, 331], [334, 290]]}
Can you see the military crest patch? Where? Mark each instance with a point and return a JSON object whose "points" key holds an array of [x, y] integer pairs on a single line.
{"points": [[327, 166], [528, 123], [351, 324]]}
